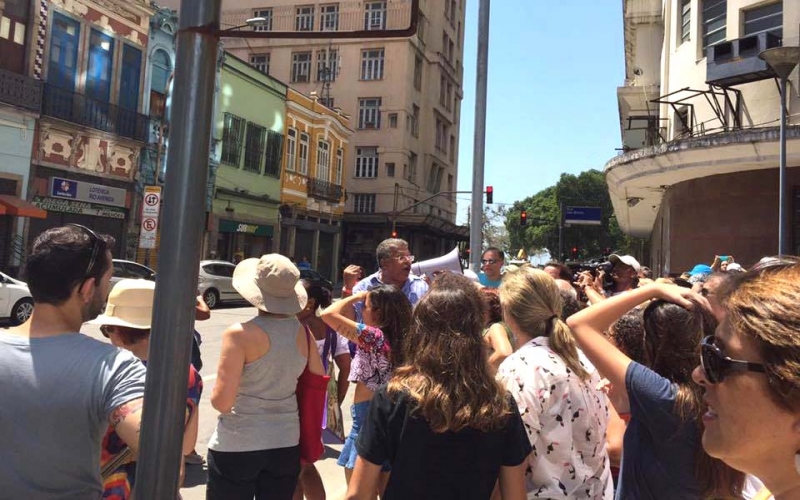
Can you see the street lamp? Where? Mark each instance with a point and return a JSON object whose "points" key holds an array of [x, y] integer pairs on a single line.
{"points": [[253, 22], [782, 60]]}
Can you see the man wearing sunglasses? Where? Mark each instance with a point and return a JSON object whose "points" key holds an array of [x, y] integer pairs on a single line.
{"points": [[492, 261], [61, 389]]}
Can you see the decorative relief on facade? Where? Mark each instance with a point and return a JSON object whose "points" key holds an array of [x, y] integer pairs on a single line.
{"points": [[122, 160], [56, 146], [92, 154], [72, 6]]}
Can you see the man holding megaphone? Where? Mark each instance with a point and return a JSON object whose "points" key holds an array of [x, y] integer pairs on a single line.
{"points": [[394, 263]]}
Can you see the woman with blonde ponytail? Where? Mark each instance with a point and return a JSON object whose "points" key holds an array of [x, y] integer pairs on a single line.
{"points": [[555, 388]]}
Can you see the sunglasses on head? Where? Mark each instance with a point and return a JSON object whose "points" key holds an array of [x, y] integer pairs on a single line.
{"points": [[717, 366], [96, 244]]}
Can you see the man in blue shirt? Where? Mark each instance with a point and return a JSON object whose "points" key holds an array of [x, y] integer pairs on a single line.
{"points": [[492, 262], [394, 262]]}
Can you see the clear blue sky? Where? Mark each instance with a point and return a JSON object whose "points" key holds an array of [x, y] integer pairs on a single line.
{"points": [[553, 72]]}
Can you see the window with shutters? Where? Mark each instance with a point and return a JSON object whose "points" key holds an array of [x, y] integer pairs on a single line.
{"points": [[369, 113], [372, 62], [327, 65], [329, 17], [303, 154], [274, 154], [254, 147], [337, 174], [232, 138], [364, 203], [367, 163], [260, 62], [375, 15], [764, 19], [304, 18], [301, 67], [266, 14], [323, 161], [715, 22], [291, 149]]}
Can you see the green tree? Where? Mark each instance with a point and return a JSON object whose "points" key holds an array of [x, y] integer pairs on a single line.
{"points": [[495, 233], [587, 189]]}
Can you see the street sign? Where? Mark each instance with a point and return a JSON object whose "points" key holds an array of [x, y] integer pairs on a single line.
{"points": [[151, 203], [147, 235], [587, 216]]}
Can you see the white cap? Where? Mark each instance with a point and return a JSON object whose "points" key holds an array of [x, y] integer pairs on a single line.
{"points": [[628, 260]]}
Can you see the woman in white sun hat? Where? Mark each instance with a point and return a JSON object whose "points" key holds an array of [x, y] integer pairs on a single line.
{"points": [[126, 323], [254, 451]]}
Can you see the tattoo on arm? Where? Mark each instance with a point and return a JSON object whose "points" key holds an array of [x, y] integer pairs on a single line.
{"points": [[121, 412]]}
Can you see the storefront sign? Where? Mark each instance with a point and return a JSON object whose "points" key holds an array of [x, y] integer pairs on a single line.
{"points": [[88, 192], [77, 207], [230, 226]]}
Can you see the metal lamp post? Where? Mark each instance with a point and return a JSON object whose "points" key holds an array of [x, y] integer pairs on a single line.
{"points": [[782, 60]]}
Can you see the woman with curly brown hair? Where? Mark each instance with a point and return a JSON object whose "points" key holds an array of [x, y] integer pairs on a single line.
{"points": [[662, 456], [751, 376], [380, 338], [447, 428]]}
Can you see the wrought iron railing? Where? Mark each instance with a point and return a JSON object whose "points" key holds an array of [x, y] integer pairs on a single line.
{"points": [[77, 108], [21, 91], [318, 188]]}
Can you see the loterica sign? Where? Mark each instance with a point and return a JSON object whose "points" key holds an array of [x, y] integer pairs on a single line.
{"points": [[86, 191]]}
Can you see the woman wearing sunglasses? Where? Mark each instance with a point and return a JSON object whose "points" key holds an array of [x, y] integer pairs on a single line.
{"points": [[750, 372], [126, 323], [662, 454]]}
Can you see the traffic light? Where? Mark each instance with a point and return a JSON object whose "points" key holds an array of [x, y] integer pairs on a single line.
{"points": [[489, 195], [394, 234], [523, 218], [574, 252]]}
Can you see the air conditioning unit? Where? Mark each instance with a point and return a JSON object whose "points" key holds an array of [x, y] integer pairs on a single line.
{"points": [[735, 62]]}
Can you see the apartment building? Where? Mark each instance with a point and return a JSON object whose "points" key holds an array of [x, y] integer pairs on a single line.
{"points": [[91, 56], [20, 105], [403, 97], [699, 115]]}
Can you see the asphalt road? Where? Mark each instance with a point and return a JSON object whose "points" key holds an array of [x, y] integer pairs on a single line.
{"points": [[211, 331]]}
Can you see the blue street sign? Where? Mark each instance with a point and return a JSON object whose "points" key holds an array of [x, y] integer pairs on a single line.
{"points": [[589, 216]]}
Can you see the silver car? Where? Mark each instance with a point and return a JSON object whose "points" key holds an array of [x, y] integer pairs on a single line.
{"points": [[215, 282]]}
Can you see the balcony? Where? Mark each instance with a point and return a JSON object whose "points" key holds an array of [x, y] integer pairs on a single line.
{"points": [[20, 91], [82, 110], [324, 190]]}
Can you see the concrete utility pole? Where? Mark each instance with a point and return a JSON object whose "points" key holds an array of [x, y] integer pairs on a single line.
{"points": [[479, 145], [184, 218]]}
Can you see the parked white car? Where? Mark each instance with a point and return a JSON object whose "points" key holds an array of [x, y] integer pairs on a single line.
{"points": [[16, 303], [215, 282], [126, 269]]}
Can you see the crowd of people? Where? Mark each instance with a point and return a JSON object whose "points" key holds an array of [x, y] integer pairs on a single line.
{"points": [[521, 383]]}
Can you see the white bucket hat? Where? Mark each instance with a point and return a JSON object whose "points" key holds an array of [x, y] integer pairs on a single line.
{"points": [[271, 283], [130, 304]]}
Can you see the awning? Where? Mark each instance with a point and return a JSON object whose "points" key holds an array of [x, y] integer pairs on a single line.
{"points": [[12, 205]]}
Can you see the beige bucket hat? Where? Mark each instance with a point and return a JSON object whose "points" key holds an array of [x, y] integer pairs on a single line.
{"points": [[271, 283], [130, 304]]}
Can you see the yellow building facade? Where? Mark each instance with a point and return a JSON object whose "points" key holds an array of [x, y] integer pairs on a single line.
{"points": [[312, 183]]}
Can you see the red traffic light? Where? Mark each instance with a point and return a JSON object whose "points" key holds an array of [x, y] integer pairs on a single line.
{"points": [[394, 234], [523, 218], [489, 195]]}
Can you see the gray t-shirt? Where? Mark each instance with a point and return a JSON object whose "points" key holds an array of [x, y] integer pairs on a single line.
{"points": [[56, 394]]}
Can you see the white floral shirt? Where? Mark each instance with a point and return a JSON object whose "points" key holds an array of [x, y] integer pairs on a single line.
{"points": [[565, 418]]}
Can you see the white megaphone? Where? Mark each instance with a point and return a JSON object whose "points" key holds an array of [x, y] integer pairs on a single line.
{"points": [[449, 262]]}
